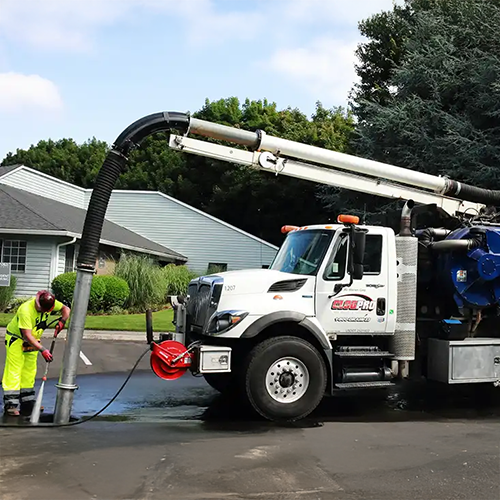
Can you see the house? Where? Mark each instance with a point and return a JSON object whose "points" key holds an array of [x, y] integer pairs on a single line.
{"points": [[40, 235]]}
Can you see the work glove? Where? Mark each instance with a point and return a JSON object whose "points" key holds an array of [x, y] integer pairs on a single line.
{"points": [[47, 356], [59, 327]]}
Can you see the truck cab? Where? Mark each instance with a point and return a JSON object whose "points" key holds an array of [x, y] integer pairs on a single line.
{"points": [[330, 291], [309, 277]]}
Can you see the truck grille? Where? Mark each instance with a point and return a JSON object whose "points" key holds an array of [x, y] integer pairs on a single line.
{"points": [[203, 300]]}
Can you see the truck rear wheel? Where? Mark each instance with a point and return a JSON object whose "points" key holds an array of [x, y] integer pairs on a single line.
{"points": [[285, 378]]}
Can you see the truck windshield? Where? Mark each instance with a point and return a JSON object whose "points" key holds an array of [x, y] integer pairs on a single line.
{"points": [[302, 252]]}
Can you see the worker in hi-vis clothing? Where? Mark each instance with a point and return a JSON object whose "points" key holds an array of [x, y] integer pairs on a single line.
{"points": [[22, 342]]}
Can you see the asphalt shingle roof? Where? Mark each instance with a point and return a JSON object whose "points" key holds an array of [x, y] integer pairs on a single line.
{"points": [[26, 211]]}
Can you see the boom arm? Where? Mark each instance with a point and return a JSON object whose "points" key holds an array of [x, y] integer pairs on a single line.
{"points": [[269, 162]]}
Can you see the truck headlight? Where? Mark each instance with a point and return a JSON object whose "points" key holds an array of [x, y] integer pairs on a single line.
{"points": [[222, 321]]}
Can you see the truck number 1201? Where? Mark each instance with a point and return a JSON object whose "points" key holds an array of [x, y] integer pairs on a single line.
{"points": [[230, 288]]}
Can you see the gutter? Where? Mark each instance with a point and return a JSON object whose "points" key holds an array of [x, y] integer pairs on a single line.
{"points": [[39, 232]]}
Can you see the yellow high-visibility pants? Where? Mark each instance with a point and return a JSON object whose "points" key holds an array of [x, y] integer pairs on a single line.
{"points": [[19, 374]]}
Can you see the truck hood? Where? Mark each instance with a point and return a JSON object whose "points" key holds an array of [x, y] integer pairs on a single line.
{"points": [[255, 281]]}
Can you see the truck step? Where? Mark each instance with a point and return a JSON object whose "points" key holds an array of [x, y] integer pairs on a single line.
{"points": [[364, 385], [364, 354]]}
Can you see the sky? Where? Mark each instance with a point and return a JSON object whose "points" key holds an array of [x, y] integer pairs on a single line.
{"points": [[89, 68]]}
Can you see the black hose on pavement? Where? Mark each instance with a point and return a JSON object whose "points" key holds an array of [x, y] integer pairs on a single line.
{"points": [[86, 419]]}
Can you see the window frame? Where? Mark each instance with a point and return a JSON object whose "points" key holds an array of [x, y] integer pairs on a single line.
{"points": [[219, 266], [15, 265], [380, 237], [73, 248], [336, 250]]}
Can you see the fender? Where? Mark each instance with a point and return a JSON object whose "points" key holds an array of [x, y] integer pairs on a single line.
{"points": [[292, 316]]}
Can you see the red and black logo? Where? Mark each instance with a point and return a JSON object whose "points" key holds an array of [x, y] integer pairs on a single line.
{"points": [[355, 302]]}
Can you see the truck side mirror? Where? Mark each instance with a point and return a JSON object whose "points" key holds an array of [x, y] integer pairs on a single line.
{"points": [[358, 242]]}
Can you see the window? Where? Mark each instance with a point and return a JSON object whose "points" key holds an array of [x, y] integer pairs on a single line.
{"points": [[373, 254], [302, 252], [69, 263], [336, 269], [216, 268], [14, 252]]}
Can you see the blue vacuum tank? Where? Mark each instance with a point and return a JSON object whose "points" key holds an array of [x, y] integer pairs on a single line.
{"points": [[470, 260]]}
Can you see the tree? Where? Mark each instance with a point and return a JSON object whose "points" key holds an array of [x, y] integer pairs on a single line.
{"points": [[64, 159], [444, 116], [431, 100]]}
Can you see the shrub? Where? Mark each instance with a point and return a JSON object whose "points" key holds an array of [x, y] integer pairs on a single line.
{"points": [[177, 279], [116, 292], [15, 303], [63, 287], [145, 281], [7, 293]]}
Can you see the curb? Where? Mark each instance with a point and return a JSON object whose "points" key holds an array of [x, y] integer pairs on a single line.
{"points": [[101, 335]]}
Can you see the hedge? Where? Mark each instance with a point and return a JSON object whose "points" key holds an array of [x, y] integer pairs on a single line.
{"points": [[117, 291], [7, 293], [106, 291]]}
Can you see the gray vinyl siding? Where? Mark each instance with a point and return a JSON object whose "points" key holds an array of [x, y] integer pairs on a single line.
{"points": [[38, 260], [37, 183], [61, 261], [200, 238]]}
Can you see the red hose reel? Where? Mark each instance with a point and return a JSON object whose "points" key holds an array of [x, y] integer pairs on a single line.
{"points": [[170, 359]]}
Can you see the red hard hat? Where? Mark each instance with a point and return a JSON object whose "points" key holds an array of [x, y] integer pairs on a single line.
{"points": [[45, 300]]}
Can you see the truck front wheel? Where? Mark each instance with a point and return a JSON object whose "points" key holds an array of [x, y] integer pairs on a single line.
{"points": [[284, 378]]}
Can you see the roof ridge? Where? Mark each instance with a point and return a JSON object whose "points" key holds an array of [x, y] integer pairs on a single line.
{"points": [[27, 207]]}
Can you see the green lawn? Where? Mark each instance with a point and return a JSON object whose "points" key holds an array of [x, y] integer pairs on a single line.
{"points": [[162, 322]]}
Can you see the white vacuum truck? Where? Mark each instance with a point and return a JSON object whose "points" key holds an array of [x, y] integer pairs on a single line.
{"points": [[344, 306]]}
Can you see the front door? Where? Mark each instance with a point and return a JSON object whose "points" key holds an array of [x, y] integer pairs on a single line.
{"points": [[361, 308]]}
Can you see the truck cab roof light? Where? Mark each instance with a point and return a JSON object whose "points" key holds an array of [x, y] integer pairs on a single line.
{"points": [[287, 229], [348, 219]]}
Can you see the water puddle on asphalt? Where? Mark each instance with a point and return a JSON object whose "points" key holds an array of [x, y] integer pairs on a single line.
{"points": [[146, 398]]}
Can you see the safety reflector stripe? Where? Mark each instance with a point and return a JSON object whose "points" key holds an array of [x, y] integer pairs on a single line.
{"points": [[25, 399], [11, 398]]}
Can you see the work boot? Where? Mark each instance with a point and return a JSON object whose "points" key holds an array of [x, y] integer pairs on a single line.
{"points": [[27, 408], [11, 412]]}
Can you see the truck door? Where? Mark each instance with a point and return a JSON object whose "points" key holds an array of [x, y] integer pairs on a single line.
{"points": [[363, 307]]}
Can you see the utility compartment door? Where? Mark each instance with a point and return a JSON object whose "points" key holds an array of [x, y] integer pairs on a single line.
{"points": [[468, 361], [363, 307]]}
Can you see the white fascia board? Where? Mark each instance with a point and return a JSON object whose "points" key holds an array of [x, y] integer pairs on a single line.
{"points": [[19, 167], [38, 232], [41, 232], [49, 177]]}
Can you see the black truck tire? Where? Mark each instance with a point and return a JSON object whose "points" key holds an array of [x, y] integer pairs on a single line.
{"points": [[284, 378]]}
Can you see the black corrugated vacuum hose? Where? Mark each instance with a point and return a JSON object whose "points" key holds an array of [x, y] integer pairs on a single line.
{"points": [[113, 166], [472, 193]]}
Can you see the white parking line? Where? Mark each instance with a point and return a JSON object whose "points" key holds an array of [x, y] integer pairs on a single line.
{"points": [[85, 359]]}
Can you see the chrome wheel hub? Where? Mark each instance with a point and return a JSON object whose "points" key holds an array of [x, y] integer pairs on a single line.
{"points": [[287, 380]]}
